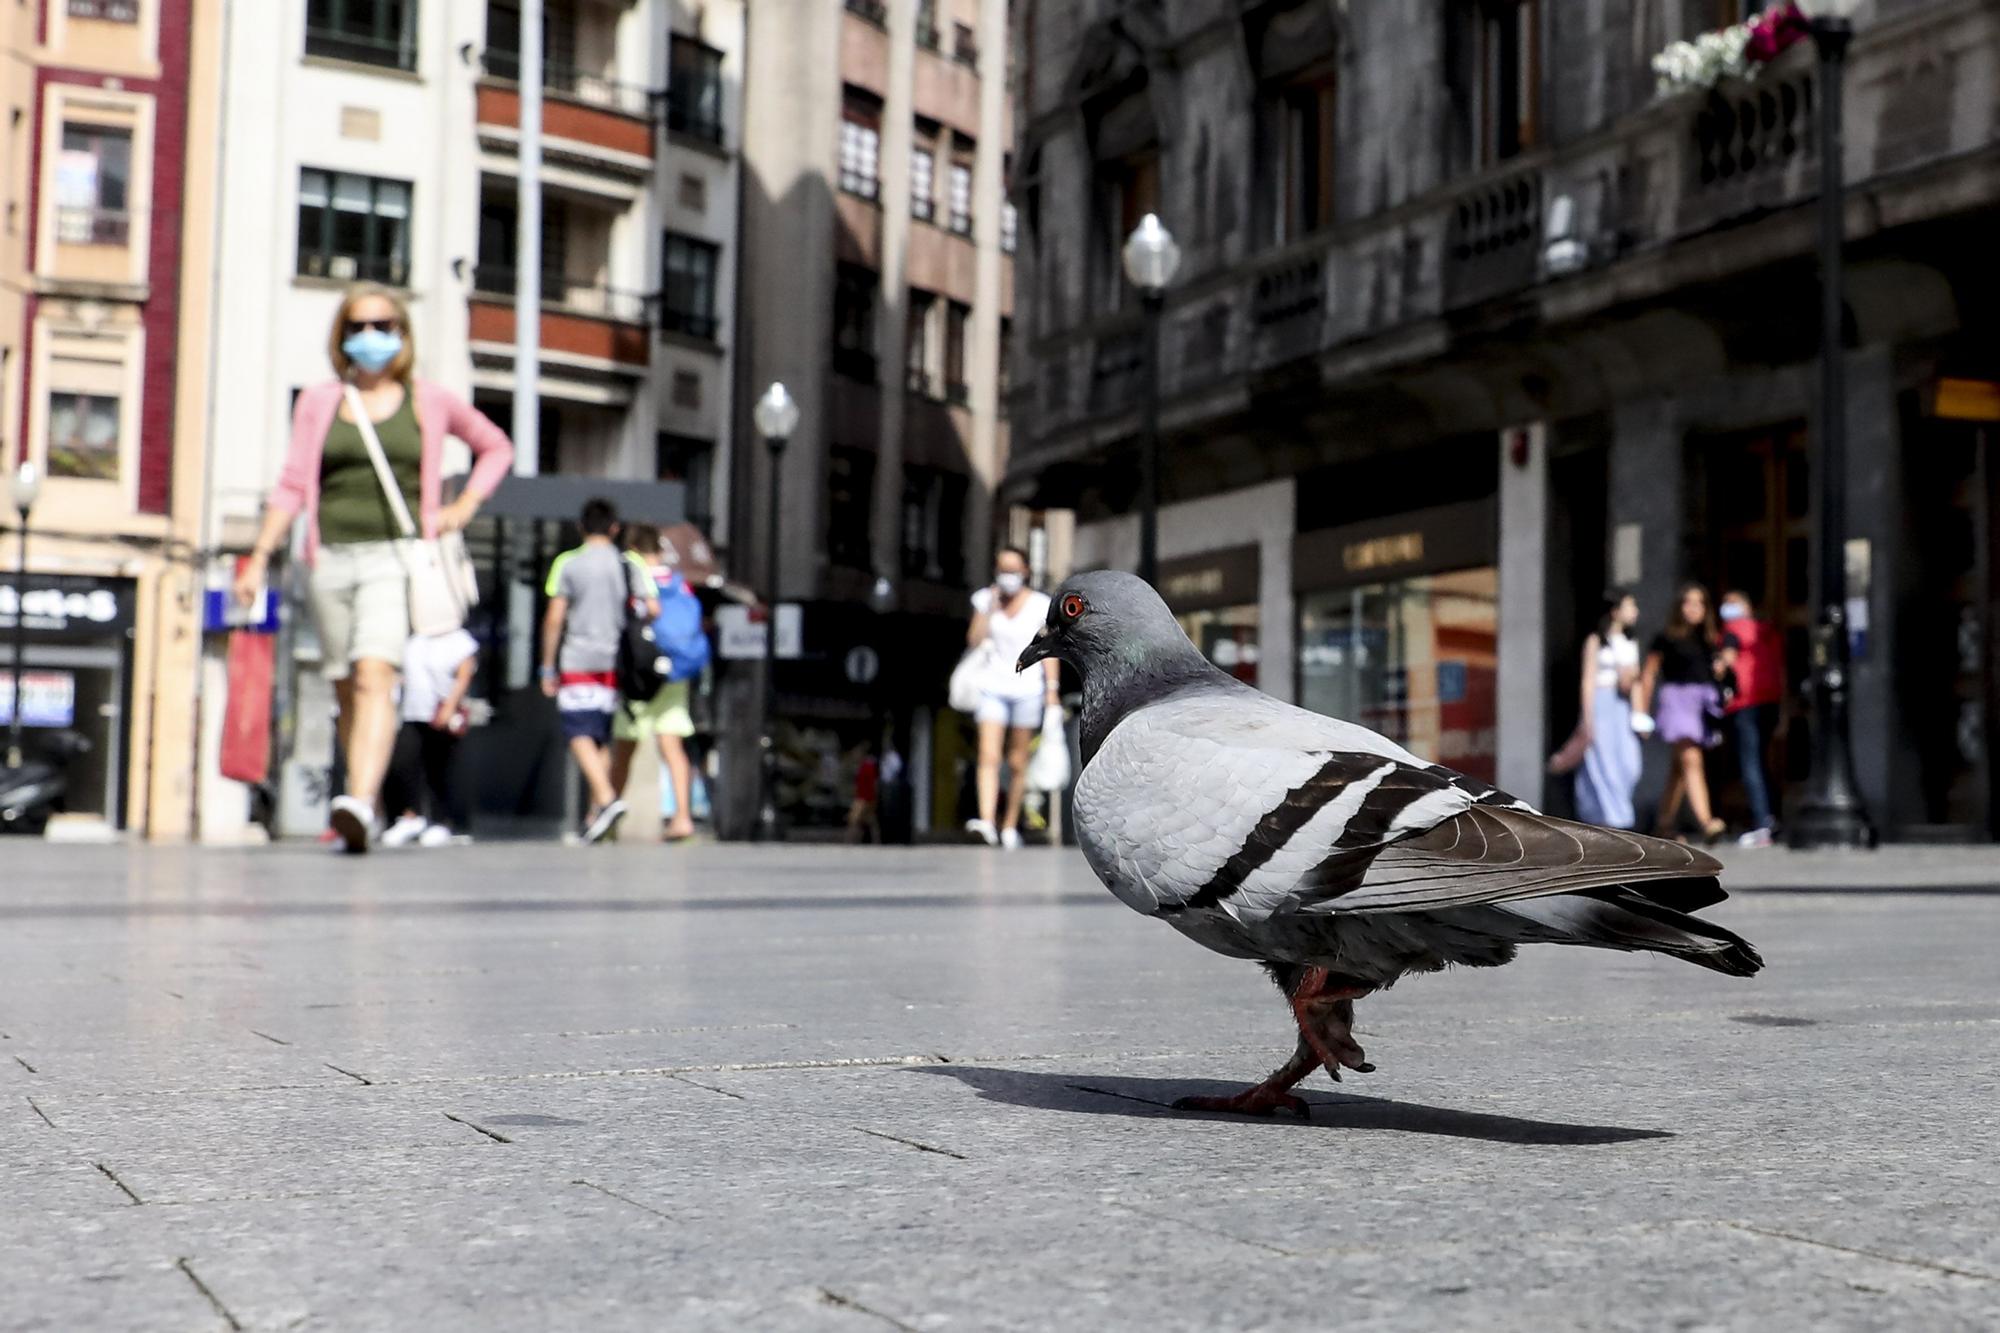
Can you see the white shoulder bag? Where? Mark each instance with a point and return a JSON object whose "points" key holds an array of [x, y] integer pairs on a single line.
{"points": [[443, 585]]}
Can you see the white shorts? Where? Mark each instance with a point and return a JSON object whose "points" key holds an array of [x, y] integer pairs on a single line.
{"points": [[361, 603], [1023, 713]]}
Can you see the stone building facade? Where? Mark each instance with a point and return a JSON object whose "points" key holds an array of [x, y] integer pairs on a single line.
{"points": [[1491, 326]]}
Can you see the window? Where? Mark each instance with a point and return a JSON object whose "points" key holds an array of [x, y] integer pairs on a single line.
{"points": [[694, 90], [83, 436], [690, 461], [1004, 381], [1509, 77], [850, 482], [854, 322], [687, 297], [499, 247], [956, 318], [860, 147], [354, 227], [960, 190], [917, 344], [927, 24], [923, 183], [874, 11], [1296, 129], [1010, 227], [964, 48], [503, 43], [1128, 189], [93, 177], [370, 32], [933, 524], [108, 11]]}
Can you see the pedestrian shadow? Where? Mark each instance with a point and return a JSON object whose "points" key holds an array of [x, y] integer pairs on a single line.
{"points": [[1088, 1094]]}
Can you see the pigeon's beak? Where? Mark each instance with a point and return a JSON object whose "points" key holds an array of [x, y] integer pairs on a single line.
{"points": [[1043, 645]]}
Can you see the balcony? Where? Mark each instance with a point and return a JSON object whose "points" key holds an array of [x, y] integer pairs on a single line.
{"points": [[584, 326], [92, 226], [1492, 242], [1751, 150], [586, 118]]}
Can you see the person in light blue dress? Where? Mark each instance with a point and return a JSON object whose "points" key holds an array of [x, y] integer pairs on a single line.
{"points": [[1609, 772]]}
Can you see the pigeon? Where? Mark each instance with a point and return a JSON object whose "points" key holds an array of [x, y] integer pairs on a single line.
{"points": [[1326, 852]]}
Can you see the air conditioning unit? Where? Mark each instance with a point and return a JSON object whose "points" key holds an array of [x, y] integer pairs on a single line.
{"points": [[1563, 253]]}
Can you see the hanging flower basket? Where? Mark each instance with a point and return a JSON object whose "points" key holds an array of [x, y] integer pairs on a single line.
{"points": [[1736, 52]]}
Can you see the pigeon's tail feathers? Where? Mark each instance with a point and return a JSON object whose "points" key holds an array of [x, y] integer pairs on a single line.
{"points": [[1620, 918]]}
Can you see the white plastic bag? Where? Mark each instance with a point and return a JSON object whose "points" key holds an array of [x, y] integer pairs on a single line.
{"points": [[963, 694], [1049, 769]]}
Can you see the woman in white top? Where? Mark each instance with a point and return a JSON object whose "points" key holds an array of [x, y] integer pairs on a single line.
{"points": [[1005, 617], [1610, 770]]}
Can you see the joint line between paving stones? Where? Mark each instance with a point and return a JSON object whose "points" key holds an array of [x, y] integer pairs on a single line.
{"points": [[208, 1292], [624, 1198], [496, 1136], [841, 1302], [708, 1087], [112, 1176], [912, 1143], [1265, 1246], [40, 1112], [364, 1082], [276, 1041], [25, 1065], [1929, 1264]]}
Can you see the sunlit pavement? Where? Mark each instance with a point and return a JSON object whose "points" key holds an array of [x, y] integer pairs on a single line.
{"points": [[541, 1088]]}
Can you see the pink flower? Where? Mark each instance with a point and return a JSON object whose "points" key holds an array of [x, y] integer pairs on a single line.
{"points": [[1773, 31]]}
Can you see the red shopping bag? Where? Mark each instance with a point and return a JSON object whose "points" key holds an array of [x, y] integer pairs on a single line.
{"points": [[246, 721]]}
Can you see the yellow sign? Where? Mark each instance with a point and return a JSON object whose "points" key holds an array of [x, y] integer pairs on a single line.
{"points": [[1402, 548], [1967, 400]]}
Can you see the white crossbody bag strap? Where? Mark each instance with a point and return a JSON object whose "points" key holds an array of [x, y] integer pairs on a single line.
{"points": [[392, 491]]}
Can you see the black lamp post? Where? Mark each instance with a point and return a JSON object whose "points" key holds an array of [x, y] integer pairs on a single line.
{"points": [[1831, 814], [776, 416], [27, 487], [1151, 257]]}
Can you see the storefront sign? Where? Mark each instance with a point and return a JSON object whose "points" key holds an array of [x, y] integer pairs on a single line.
{"points": [[1210, 580], [1400, 546], [67, 604], [740, 632], [50, 698], [1967, 400]]}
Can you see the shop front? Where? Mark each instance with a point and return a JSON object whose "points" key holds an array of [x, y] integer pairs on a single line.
{"points": [[1399, 627], [75, 677], [1214, 597]]}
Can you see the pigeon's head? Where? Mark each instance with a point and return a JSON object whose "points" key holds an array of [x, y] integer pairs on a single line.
{"points": [[1104, 616]]}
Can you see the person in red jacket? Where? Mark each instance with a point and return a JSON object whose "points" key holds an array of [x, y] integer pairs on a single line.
{"points": [[1755, 651]]}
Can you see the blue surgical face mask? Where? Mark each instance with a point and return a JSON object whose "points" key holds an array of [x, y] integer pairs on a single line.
{"points": [[1733, 611], [372, 349]]}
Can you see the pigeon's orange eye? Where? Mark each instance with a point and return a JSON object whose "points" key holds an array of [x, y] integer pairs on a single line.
{"points": [[1072, 607]]}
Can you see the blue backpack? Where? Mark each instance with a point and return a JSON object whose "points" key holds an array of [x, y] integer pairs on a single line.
{"points": [[678, 630]]}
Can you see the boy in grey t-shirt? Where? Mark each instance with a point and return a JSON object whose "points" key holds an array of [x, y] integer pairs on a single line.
{"points": [[588, 589]]}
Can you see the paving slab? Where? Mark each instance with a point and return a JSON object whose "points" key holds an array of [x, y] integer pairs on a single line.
{"points": [[531, 1087]]}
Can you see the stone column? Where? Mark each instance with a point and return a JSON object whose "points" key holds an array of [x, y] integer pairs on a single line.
{"points": [[1874, 515], [1520, 698], [1647, 488]]}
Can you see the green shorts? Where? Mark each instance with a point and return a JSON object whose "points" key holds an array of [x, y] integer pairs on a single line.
{"points": [[665, 715]]}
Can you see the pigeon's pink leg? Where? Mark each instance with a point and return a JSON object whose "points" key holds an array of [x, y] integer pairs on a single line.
{"points": [[1325, 1015], [1271, 1095]]}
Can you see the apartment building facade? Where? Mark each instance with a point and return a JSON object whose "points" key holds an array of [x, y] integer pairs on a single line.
{"points": [[103, 263], [381, 141], [878, 258], [1474, 323]]}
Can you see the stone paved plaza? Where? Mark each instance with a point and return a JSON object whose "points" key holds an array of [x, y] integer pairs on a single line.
{"points": [[512, 1087]]}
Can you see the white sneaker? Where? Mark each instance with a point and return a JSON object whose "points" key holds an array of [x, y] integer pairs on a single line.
{"points": [[603, 822], [1010, 839], [437, 835], [1756, 837], [354, 821], [983, 830], [408, 829]]}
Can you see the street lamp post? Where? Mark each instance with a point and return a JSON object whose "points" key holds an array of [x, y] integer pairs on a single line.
{"points": [[1151, 257], [1832, 814], [27, 487], [776, 417]]}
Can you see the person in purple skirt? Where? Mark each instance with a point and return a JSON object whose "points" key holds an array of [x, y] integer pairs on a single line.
{"points": [[1682, 689]]}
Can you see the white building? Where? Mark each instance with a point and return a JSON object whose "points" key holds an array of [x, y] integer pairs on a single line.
{"points": [[380, 141]]}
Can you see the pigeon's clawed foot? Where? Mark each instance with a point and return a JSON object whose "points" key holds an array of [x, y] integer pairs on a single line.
{"points": [[1324, 1009], [1260, 1100]]}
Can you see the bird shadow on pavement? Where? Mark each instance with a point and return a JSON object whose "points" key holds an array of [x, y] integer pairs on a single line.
{"points": [[1089, 1094]]}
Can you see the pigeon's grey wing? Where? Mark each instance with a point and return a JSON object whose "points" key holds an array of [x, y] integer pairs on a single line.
{"points": [[1195, 808], [1493, 854]]}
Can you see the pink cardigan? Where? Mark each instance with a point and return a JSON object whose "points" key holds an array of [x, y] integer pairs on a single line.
{"points": [[440, 412]]}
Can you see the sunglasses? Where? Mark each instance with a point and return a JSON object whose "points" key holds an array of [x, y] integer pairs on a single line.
{"points": [[378, 325]]}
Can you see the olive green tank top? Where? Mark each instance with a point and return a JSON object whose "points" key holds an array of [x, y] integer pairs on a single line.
{"points": [[352, 507]]}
